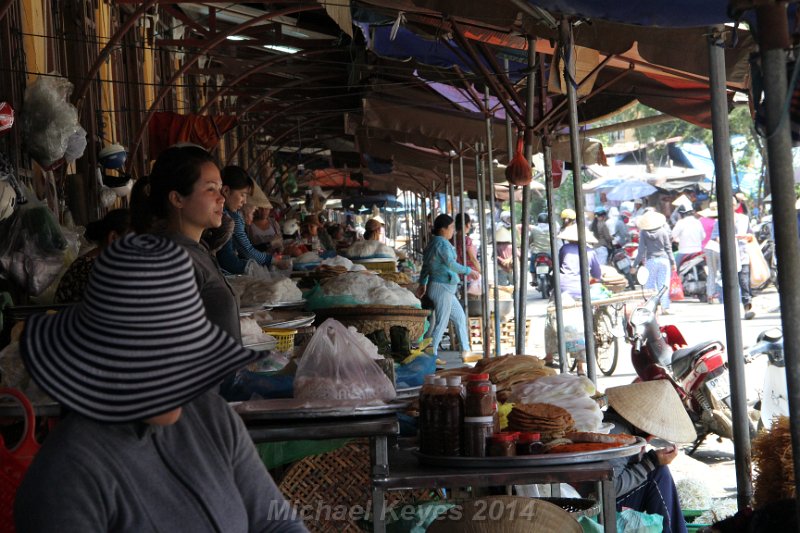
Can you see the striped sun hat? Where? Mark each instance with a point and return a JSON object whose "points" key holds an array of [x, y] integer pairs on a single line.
{"points": [[139, 344]]}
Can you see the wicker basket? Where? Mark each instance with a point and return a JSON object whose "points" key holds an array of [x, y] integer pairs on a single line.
{"points": [[577, 507], [338, 480], [369, 318], [390, 265]]}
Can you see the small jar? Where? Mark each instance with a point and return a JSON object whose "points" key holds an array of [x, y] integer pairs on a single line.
{"points": [[479, 400], [529, 443], [477, 432], [503, 445]]}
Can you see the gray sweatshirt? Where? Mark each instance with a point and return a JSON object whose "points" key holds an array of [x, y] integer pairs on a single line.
{"points": [[200, 474]]}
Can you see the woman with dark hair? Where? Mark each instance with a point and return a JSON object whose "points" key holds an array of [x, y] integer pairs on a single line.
{"points": [[101, 233], [180, 199], [439, 280], [235, 253]]}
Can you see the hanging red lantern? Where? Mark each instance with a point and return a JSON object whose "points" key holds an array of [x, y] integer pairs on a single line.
{"points": [[518, 171]]}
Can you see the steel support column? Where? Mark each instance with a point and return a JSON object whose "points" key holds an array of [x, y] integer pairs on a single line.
{"points": [[772, 22], [490, 166], [464, 294], [565, 36], [481, 182], [730, 279], [520, 332], [519, 321]]}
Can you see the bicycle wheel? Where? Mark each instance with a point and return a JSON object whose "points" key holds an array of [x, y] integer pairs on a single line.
{"points": [[606, 343]]}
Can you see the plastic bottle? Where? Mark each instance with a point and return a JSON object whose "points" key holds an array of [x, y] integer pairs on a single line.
{"points": [[477, 432], [424, 420], [434, 441], [453, 415], [478, 396]]}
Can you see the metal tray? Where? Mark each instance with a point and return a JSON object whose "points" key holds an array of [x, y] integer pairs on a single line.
{"points": [[408, 393], [293, 409], [373, 259], [282, 305], [546, 459], [262, 346], [302, 320]]}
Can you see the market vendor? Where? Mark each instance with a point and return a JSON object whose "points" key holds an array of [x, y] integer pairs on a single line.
{"points": [[234, 255], [146, 445], [373, 229], [644, 483], [180, 199], [101, 233]]}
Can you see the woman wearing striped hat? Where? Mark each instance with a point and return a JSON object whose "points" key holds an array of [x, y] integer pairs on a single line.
{"points": [[145, 444]]}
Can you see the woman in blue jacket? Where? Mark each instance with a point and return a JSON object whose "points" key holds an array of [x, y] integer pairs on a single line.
{"points": [[439, 280]]}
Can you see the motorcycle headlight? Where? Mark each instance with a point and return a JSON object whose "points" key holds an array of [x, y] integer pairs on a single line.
{"points": [[641, 316]]}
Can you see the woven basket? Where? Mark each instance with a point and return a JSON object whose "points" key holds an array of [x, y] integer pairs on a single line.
{"points": [[369, 318], [390, 265], [338, 482]]}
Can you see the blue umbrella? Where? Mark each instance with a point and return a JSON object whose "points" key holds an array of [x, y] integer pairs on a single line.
{"points": [[631, 190]]}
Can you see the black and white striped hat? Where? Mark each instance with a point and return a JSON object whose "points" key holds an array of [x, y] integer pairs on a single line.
{"points": [[139, 344]]}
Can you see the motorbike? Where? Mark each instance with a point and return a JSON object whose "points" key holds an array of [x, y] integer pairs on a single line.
{"points": [[698, 373], [692, 271], [542, 270], [773, 397], [622, 262]]}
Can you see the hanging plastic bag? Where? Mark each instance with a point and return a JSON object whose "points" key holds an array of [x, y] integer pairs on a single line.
{"points": [[759, 268], [49, 121], [335, 367], [675, 287], [35, 250]]}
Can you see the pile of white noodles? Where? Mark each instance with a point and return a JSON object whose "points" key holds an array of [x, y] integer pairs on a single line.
{"points": [[571, 392], [252, 332], [369, 289], [308, 257], [253, 291], [370, 249]]}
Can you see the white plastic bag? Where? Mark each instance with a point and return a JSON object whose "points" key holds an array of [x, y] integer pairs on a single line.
{"points": [[336, 367]]}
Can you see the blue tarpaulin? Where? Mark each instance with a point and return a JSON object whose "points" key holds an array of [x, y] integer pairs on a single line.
{"points": [[673, 14]]}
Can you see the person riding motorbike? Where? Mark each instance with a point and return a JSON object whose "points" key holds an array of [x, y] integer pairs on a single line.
{"points": [[540, 236], [567, 217]]}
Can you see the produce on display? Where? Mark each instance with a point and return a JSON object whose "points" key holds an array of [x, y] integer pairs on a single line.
{"points": [[252, 332], [251, 291], [693, 494], [368, 289], [308, 258], [369, 250]]}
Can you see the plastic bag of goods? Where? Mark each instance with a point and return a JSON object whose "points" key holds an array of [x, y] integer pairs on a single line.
{"points": [[49, 122], [334, 366]]}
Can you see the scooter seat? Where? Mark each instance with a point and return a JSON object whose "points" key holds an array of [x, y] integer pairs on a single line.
{"points": [[683, 353]]}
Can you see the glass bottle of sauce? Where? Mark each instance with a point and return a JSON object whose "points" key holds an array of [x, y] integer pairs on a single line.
{"points": [[529, 443], [477, 431], [503, 445], [452, 417]]}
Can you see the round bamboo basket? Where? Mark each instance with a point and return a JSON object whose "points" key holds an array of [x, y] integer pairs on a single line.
{"points": [[370, 318]]}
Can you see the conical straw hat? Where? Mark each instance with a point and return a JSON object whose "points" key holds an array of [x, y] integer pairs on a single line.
{"points": [[655, 408], [651, 220], [519, 515], [570, 233]]}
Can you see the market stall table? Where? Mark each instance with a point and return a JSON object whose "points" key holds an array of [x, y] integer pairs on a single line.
{"points": [[406, 472]]}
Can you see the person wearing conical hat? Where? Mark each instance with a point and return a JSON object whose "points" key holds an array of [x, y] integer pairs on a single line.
{"points": [[570, 268], [655, 252], [505, 256], [643, 482]]}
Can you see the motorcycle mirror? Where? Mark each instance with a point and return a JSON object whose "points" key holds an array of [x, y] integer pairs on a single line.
{"points": [[642, 275], [771, 335]]}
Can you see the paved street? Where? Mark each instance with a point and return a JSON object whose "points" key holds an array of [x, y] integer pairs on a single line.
{"points": [[713, 461]]}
